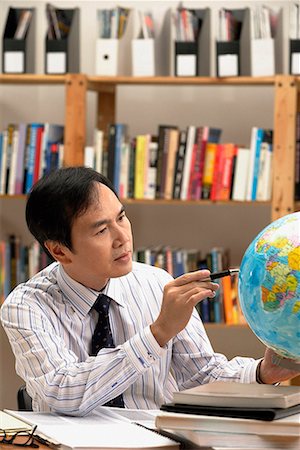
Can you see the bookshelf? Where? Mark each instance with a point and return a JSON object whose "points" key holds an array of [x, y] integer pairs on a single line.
{"points": [[77, 87]]}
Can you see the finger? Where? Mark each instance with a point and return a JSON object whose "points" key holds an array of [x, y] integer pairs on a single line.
{"points": [[186, 278], [195, 295], [199, 286]]}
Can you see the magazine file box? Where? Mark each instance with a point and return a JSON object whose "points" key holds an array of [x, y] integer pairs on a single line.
{"points": [[228, 59], [18, 55], [142, 51], [186, 59], [189, 58], [262, 57], [62, 55], [107, 53], [114, 56], [295, 56]]}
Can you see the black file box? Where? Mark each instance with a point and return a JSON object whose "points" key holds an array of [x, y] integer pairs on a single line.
{"points": [[229, 51], [62, 55], [228, 48], [186, 58], [18, 55], [295, 56]]}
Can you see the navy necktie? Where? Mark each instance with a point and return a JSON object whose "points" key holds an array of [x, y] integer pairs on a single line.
{"points": [[102, 337]]}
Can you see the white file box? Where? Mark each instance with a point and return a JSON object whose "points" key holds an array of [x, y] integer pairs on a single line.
{"points": [[142, 51], [262, 57], [107, 56]]}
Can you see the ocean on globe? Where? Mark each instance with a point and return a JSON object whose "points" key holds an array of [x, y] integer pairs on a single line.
{"points": [[269, 286]]}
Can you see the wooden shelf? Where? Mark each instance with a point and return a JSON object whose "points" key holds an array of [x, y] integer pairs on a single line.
{"points": [[97, 82], [32, 79], [148, 202]]}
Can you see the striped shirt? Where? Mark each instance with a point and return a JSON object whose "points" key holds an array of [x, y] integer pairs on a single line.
{"points": [[49, 321]]}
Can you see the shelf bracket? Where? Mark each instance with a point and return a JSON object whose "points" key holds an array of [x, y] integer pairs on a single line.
{"points": [[75, 131]]}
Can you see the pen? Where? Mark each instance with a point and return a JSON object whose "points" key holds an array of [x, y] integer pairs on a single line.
{"points": [[224, 273]]}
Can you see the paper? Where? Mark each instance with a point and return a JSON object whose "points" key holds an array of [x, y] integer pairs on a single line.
{"points": [[295, 69], [186, 65], [228, 65], [56, 62], [10, 423], [14, 62], [102, 429]]}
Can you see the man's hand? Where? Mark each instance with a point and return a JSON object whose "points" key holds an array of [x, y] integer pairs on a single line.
{"points": [[180, 297], [271, 373]]}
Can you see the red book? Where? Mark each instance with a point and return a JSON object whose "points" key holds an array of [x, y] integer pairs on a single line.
{"points": [[38, 154]]}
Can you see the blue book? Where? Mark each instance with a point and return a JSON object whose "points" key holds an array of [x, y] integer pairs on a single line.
{"points": [[259, 137], [31, 155], [119, 140]]}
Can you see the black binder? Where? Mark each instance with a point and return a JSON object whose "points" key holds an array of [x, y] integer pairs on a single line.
{"points": [[62, 55], [267, 414], [18, 55]]}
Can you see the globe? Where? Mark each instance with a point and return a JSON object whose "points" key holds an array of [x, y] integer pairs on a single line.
{"points": [[269, 286]]}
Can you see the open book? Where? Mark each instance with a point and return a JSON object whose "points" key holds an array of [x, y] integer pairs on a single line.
{"points": [[239, 394], [104, 429]]}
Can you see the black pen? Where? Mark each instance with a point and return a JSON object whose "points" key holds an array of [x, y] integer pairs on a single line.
{"points": [[224, 273]]}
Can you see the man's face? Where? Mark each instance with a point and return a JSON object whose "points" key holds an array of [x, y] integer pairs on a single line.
{"points": [[101, 242]]}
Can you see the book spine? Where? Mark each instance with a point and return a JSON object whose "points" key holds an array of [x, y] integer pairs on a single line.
{"points": [[190, 141], [179, 165]]}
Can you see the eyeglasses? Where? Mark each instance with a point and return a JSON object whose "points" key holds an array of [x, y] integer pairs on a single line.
{"points": [[19, 438]]}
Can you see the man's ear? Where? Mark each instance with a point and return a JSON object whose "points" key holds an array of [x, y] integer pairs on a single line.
{"points": [[59, 251]]}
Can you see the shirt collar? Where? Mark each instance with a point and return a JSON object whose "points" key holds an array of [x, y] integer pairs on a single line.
{"points": [[83, 298]]}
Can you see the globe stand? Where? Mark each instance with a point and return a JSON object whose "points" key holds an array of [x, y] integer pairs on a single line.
{"points": [[286, 363]]}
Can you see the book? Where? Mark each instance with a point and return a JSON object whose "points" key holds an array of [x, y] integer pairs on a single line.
{"points": [[170, 163], [23, 24], [141, 165], [226, 172], [179, 164], [187, 168], [14, 160], [104, 429], [240, 182], [161, 157], [221, 393], [152, 169], [255, 143], [208, 170], [20, 159], [288, 426], [214, 440]]}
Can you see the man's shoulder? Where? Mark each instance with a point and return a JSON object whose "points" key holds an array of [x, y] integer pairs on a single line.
{"points": [[39, 283]]}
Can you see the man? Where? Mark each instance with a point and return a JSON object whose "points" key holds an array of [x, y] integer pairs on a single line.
{"points": [[159, 342]]}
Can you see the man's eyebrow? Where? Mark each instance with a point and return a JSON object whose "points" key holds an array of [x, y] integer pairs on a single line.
{"points": [[99, 223]]}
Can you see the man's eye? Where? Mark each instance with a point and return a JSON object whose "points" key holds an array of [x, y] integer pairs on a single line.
{"points": [[122, 217], [102, 230]]}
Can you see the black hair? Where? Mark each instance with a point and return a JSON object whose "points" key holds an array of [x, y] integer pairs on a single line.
{"points": [[57, 199]]}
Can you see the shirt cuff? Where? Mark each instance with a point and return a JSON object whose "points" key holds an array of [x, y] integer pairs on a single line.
{"points": [[143, 350], [248, 374]]}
